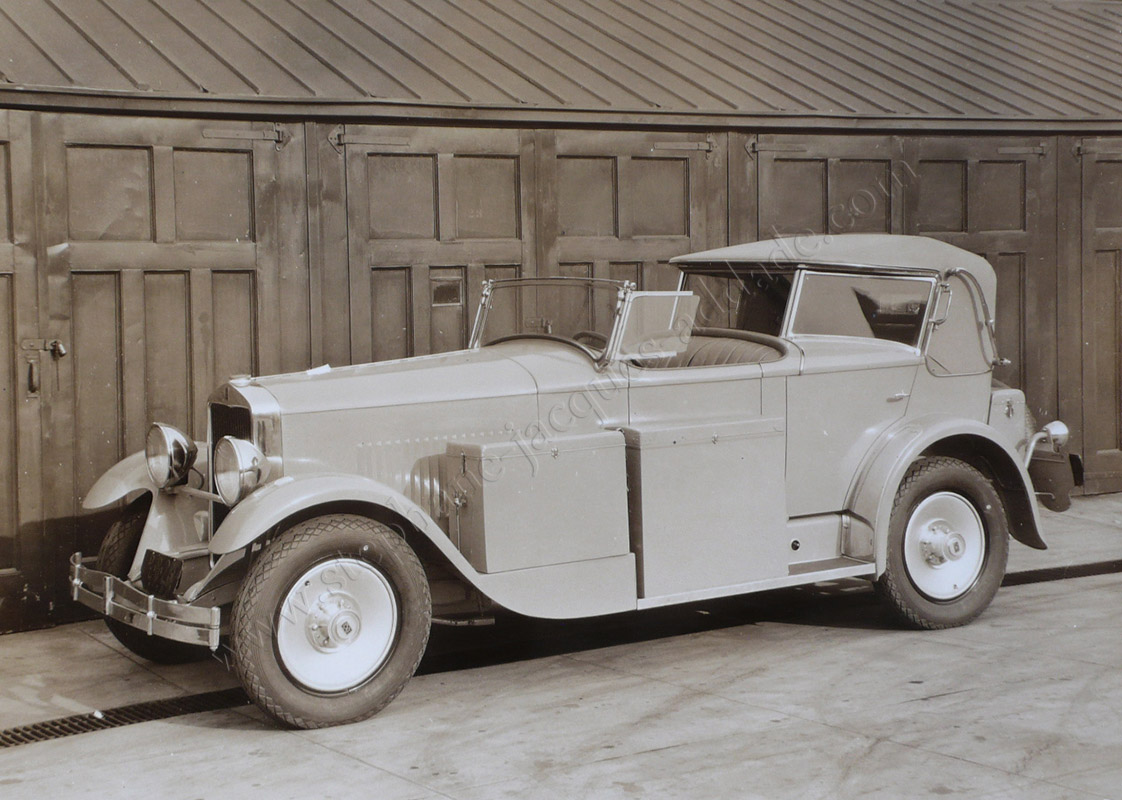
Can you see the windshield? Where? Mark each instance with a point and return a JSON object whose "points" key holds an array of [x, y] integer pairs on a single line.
{"points": [[577, 310], [746, 298]]}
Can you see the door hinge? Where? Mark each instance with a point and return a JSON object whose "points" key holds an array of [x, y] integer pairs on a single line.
{"points": [[754, 147], [1023, 150], [1080, 149], [340, 136], [278, 134], [706, 146]]}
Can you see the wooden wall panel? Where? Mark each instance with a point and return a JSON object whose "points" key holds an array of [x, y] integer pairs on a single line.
{"points": [[941, 196], [390, 303], [1010, 269], [402, 196], [5, 193], [487, 197], [167, 346], [1101, 257], [998, 200], [447, 316], [234, 299], [8, 521], [859, 194], [1103, 290], [794, 197], [96, 353], [587, 196], [213, 195], [659, 199], [109, 193]]}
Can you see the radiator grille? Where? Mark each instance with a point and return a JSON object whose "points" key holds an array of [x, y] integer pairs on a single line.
{"points": [[226, 420]]}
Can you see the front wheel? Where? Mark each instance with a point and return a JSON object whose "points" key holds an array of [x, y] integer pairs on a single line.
{"points": [[948, 543], [331, 621], [118, 549]]}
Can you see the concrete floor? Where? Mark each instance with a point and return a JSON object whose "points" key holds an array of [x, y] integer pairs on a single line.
{"points": [[803, 694]]}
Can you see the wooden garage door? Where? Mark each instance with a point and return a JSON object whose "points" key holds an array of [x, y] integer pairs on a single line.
{"points": [[431, 214], [1102, 313], [829, 184], [996, 197], [993, 196], [24, 560], [175, 248], [620, 205]]}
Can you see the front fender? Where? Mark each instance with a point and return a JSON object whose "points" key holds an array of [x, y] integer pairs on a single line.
{"points": [[128, 475], [577, 589], [874, 491]]}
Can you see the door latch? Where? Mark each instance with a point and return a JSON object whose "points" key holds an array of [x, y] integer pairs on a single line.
{"points": [[53, 346]]}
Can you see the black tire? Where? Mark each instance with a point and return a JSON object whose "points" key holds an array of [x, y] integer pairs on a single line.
{"points": [[118, 549], [314, 578], [930, 599]]}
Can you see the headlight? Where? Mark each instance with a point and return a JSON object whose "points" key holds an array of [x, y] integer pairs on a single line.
{"points": [[239, 468], [169, 454]]}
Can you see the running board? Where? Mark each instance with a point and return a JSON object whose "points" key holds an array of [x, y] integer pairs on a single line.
{"points": [[813, 572]]}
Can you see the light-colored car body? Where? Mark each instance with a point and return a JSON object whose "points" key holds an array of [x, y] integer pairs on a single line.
{"points": [[559, 480]]}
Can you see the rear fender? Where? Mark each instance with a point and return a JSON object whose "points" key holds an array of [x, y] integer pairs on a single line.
{"points": [[874, 491], [579, 589]]}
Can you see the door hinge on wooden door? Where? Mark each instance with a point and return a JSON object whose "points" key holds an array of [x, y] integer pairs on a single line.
{"points": [[706, 146], [1023, 150], [753, 147], [339, 137], [1094, 148], [278, 134]]}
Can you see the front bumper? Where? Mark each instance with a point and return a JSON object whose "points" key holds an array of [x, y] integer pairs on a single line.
{"points": [[119, 600]]}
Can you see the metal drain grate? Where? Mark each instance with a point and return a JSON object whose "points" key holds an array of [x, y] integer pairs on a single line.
{"points": [[122, 715]]}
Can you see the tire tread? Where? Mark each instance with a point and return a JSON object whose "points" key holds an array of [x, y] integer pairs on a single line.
{"points": [[248, 601], [891, 584]]}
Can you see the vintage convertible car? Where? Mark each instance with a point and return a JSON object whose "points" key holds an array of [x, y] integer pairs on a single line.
{"points": [[800, 410]]}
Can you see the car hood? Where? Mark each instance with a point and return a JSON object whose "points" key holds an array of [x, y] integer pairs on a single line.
{"points": [[457, 376]]}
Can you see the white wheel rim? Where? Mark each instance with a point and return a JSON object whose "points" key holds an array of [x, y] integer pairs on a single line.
{"points": [[944, 546], [337, 625]]}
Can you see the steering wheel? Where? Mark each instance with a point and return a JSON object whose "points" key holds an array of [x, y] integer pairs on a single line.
{"points": [[595, 338]]}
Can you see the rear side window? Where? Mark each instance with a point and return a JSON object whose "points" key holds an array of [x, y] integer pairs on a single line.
{"points": [[866, 306]]}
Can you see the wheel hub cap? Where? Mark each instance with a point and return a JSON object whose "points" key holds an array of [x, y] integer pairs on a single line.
{"points": [[337, 625], [334, 622], [941, 544], [944, 546]]}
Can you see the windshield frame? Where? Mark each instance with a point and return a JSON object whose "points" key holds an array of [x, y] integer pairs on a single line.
{"points": [[623, 290]]}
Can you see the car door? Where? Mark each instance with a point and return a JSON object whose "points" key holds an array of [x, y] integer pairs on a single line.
{"points": [[860, 335], [705, 452]]}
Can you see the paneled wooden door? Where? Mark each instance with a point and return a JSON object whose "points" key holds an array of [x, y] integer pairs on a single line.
{"points": [[996, 196], [619, 205], [174, 250], [1102, 312], [431, 214], [24, 559], [992, 195]]}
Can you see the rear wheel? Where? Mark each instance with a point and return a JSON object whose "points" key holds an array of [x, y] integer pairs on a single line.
{"points": [[331, 621], [118, 549], [948, 543]]}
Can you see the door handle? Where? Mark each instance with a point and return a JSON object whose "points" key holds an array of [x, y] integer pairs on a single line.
{"points": [[896, 398], [33, 376]]}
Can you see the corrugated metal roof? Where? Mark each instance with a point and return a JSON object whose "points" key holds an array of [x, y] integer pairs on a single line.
{"points": [[842, 59]]}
